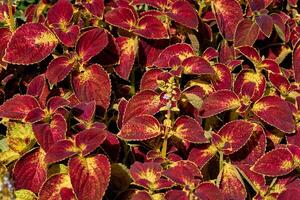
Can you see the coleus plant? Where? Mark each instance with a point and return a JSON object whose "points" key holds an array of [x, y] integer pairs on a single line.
{"points": [[149, 100]]}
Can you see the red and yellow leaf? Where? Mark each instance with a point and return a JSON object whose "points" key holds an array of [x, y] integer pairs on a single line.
{"points": [[228, 13], [212, 104], [30, 171], [93, 84], [277, 162], [142, 127], [276, 112], [89, 176], [188, 129], [61, 150], [18, 107], [57, 187], [30, 43]]}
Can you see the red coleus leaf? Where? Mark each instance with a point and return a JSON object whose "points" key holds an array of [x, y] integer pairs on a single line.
{"points": [[265, 23], [251, 53], [61, 150], [95, 171], [183, 13], [277, 162], [91, 43], [228, 13], [151, 27], [176, 194], [30, 171], [212, 105], [148, 171], [253, 149], [148, 175], [208, 191], [276, 112], [18, 107], [93, 84], [289, 194], [30, 43], [48, 134], [181, 50], [144, 102], [183, 172], [84, 111], [96, 7], [231, 184], [246, 33], [37, 86], [55, 103], [256, 5], [141, 127], [196, 65], [296, 61], [223, 78], [201, 155], [188, 129], [58, 69], [149, 79], [121, 110], [250, 85], [57, 187], [280, 82], [67, 34], [5, 36], [128, 50], [121, 17], [60, 13], [257, 181], [88, 140], [234, 135]]}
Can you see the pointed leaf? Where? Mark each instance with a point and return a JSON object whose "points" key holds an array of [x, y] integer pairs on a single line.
{"points": [[209, 191], [212, 104], [183, 13], [57, 187], [30, 171], [144, 102], [151, 27], [196, 65], [188, 129], [95, 171], [265, 23], [61, 150], [48, 134], [88, 140], [30, 43], [296, 61], [181, 50], [61, 12], [246, 33], [128, 50], [277, 162], [201, 155], [96, 7], [234, 135], [276, 112], [228, 13], [91, 43], [18, 107], [142, 127], [93, 84], [231, 184], [121, 17]]}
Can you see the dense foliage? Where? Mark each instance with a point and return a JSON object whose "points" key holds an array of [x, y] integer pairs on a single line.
{"points": [[149, 99]]}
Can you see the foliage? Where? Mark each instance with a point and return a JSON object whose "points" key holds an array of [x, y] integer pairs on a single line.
{"points": [[149, 100]]}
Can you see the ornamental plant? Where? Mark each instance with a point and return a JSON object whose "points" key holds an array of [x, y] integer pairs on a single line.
{"points": [[149, 99]]}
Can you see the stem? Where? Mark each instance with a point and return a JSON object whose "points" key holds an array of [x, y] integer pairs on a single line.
{"points": [[11, 16], [164, 147], [221, 161]]}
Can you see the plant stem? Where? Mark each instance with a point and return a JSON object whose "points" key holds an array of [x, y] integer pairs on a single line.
{"points": [[221, 161], [11, 16], [164, 147]]}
